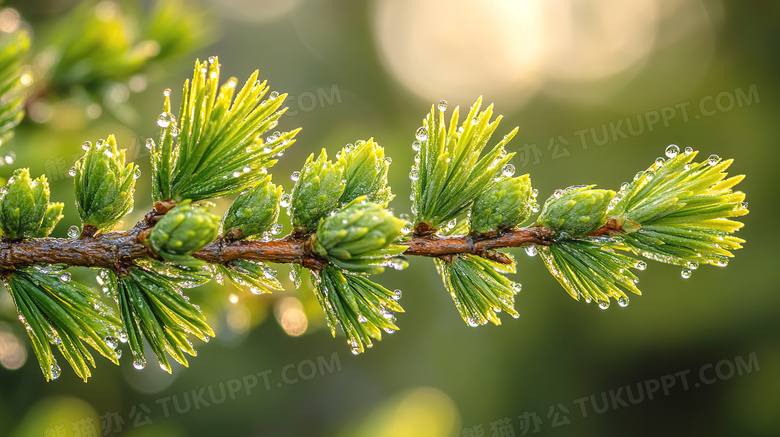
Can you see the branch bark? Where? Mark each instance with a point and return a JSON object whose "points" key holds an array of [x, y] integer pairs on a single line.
{"points": [[117, 250]]}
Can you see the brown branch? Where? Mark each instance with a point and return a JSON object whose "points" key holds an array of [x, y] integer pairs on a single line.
{"points": [[117, 250]]}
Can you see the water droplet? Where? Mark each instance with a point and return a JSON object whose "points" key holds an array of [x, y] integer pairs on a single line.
{"points": [[713, 159], [442, 105], [167, 92], [118, 353], [137, 173], [623, 301], [688, 150], [398, 263], [139, 363], [74, 232], [693, 265], [397, 294], [744, 205], [659, 162], [452, 223], [531, 250], [122, 335], [295, 176], [413, 175], [672, 150], [276, 229], [71, 173], [508, 170], [603, 304], [557, 194], [274, 95], [640, 265], [65, 277], [86, 145], [150, 143], [55, 371], [722, 262], [421, 134], [362, 319], [686, 273], [388, 160], [416, 146], [285, 200], [111, 342], [164, 120]]}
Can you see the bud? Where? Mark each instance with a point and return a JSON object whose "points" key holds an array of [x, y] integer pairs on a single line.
{"points": [[576, 210], [24, 205], [359, 237], [104, 185], [317, 191], [183, 231], [253, 212], [504, 204], [50, 219], [365, 169]]}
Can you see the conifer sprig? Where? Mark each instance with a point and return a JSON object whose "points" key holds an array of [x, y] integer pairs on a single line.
{"points": [[467, 206]]}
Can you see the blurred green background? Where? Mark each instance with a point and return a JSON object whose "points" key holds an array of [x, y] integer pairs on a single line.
{"points": [[598, 89]]}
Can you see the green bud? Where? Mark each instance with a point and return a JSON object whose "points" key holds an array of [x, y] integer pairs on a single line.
{"points": [[360, 236], [23, 205], [365, 169], [183, 231], [317, 191], [50, 219], [104, 185], [254, 211], [575, 211], [504, 204]]}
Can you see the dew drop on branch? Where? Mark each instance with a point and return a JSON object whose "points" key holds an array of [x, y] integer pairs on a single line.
{"points": [[86, 145], [640, 265], [73, 232], [55, 371], [421, 134], [71, 172], [295, 176], [164, 120], [686, 273], [442, 105], [416, 146], [713, 159], [531, 250], [139, 363], [111, 342], [137, 173], [672, 151], [65, 277], [623, 301], [508, 170]]}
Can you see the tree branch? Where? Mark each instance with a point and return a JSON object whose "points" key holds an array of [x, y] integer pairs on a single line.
{"points": [[117, 250]]}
